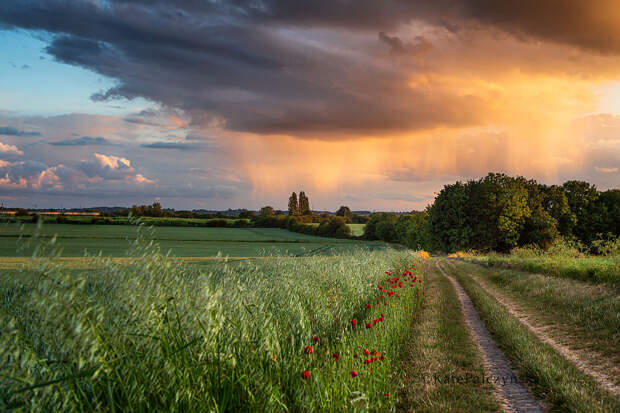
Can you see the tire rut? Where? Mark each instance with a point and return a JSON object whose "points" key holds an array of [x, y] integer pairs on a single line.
{"points": [[580, 361], [514, 395]]}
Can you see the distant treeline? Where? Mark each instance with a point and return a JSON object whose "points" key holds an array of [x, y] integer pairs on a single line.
{"points": [[500, 212]]}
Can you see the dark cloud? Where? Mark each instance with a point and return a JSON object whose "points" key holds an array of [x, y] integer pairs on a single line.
{"points": [[83, 141], [11, 131], [281, 66], [417, 48]]}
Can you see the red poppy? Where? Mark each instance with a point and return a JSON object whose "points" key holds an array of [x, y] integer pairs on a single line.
{"points": [[353, 323], [375, 321], [382, 358], [368, 325], [315, 339], [368, 306], [387, 395], [355, 355], [308, 350], [366, 352], [367, 361], [383, 319], [390, 293], [417, 292], [305, 374], [353, 373]]}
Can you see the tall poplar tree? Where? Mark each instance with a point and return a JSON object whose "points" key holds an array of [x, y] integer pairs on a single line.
{"points": [[304, 203], [293, 206]]}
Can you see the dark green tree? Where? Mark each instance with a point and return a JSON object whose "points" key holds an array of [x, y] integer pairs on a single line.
{"points": [[293, 206], [345, 212], [304, 203], [266, 211]]}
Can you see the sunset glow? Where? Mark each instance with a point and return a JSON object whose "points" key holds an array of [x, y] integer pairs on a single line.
{"points": [[372, 112]]}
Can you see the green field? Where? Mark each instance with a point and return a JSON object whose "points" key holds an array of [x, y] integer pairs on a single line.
{"points": [[114, 241]]}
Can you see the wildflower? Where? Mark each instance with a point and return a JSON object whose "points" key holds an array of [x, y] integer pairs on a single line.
{"points": [[308, 350], [315, 339], [387, 395], [368, 306], [418, 292], [336, 356], [366, 353], [383, 319], [368, 325], [353, 322], [390, 293], [305, 374], [353, 373], [381, 357], [375, 321], [355, 356], [367, 361]]}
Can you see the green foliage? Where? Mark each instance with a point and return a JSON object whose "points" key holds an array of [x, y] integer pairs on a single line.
{"points": [[158, 335], [293, 205], [304, 204], [266, 211], [344, 212]]}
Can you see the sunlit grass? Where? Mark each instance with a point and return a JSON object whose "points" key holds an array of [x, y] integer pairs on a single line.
{"points": [[151, 333]]}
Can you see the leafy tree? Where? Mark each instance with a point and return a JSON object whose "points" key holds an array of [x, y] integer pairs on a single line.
{"points": [[449, 224], [293, 206], [304, 204], [582, 197], [266, 211], [345, 212]]}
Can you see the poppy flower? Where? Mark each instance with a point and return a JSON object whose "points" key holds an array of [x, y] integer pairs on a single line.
{"points": [[305, 374], [368, 306], [381, 358], [390, 293], [355, 355], [387, 395], [417, 292], [308, 350], [315, 339], [366, 352], [353, 373], [336, 356], [375, 321], [367, 361], [353, 322], [383, 319], [368, 325]]}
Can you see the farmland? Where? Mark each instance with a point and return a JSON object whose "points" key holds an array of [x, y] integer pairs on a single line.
{"points": [[154, 334], [114, 241], [135, 318]]}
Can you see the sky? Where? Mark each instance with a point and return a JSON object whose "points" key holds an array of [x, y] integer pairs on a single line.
{"points": [[236, 104]]}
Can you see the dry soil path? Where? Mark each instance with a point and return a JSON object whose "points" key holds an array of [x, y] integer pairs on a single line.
{"points": [[514, 395], [591, 364]]}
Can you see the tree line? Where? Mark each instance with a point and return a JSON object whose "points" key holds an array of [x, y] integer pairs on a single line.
{"points": [[500, 212]]}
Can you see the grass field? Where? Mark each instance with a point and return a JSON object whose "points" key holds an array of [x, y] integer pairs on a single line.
{"points": [[164, 321], [115, 241], [151, 334]]}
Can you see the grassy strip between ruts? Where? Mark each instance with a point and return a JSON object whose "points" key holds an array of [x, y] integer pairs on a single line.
{"points": [[552, 377], [154, 334], [441, 365], [583, 315]]}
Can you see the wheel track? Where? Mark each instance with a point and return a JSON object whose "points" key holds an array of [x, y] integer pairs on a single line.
{"points": [[579, 359], [514, 395]]}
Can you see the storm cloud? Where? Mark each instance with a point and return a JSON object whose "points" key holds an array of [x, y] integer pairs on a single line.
{"points": [[282, 67]]}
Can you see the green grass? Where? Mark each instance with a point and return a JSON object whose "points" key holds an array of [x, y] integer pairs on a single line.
{"points": [[113, 240], [587, 315], [156, 221], [442, 346], [153, 334], [586, 268], [357, 229], [553, 378]]}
